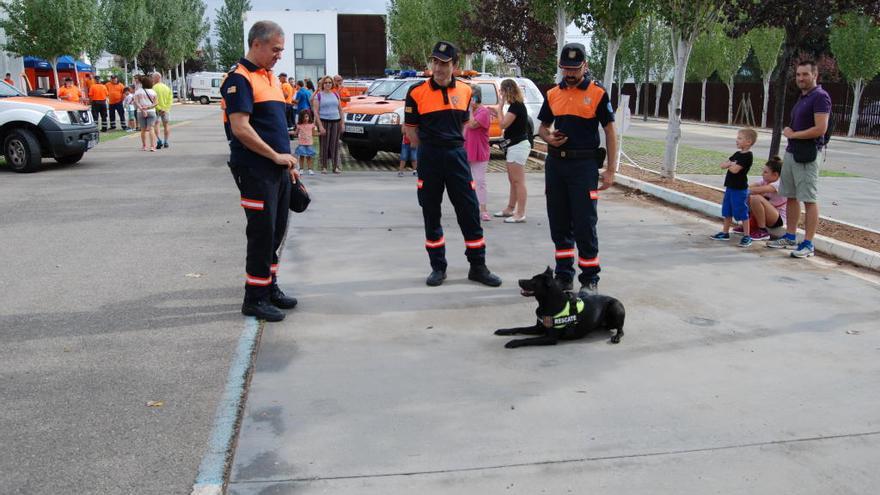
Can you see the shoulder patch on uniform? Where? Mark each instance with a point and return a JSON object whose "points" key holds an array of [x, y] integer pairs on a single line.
{"points": [[231, 89]]}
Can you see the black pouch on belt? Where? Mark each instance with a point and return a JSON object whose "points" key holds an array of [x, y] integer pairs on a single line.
{"points": [[804, 150]]}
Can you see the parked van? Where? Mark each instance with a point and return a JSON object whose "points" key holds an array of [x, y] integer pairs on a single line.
{"points": [[373, 125], [204, 87]]}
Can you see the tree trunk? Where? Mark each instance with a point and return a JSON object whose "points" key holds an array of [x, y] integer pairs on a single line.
{"points": [[638, 94], [858, 86], [784, 72], [182, 91], [703, 102], [483, 62], [135, 64], [610, 58], [766, 99], [561, 24], [730, 101], [673, 129], [125, 63], [55, 71], [657, 99]]}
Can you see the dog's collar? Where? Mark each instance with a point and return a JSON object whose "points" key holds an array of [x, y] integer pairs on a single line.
{"points": [[567, 317]]}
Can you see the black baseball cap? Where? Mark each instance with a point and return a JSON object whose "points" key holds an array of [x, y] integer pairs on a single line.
{"points": [[572, 55], [445, 51]]}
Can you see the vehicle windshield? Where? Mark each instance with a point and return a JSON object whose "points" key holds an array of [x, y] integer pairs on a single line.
{"points": [[400, 93], [383, 88], [7, 90]]}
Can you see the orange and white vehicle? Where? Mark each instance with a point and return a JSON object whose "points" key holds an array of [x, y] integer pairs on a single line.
{"points": [[373, 125], [34, 127]]}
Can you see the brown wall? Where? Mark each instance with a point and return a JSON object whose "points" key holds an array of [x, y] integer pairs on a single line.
{"points": [[362, 45]]}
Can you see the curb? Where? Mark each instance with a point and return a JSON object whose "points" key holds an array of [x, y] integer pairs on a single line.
{"points": [[211, 477], [854, 254]]}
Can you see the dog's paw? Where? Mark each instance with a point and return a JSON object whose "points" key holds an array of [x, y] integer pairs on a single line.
{"points": [[504, 331], [615, 339], [513, 344]]}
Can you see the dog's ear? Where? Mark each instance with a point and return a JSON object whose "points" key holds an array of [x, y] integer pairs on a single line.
{"points": [[548, 271]]}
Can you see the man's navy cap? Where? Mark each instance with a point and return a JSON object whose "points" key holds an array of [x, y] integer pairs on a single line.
{"points": [[444, 51], [572, 55]]}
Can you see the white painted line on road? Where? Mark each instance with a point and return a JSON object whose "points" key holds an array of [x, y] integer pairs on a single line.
{"points": [[212, 470]]}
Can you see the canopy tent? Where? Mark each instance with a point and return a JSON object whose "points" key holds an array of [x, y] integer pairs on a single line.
{"points": [[64, 63]]}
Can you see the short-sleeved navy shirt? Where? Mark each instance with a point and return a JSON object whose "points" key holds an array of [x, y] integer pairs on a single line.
{"points": [[577, 111], [739, 180], [256, 92], [803, 115]]}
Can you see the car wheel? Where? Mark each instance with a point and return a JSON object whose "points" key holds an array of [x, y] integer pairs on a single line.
{"points": [[204, 100], [362, 153], [69, 159], [22, 151]]}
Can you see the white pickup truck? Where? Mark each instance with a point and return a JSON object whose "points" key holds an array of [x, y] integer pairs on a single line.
{"points": [[34, 127]]}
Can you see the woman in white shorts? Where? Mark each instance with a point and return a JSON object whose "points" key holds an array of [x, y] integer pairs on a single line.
{"points": [[145, 101], [516, 134]]}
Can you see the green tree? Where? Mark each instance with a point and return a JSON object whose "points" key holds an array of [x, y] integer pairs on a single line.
{"points": [[598, 51], [128, 26], [559, 14], [634, 58], [35, 27], [766, 43], [229, 28], [855, 42], [415, 25], [660, 58], [703, 62], [732, 54], [615, 19], [209, 55], [687, 19]]}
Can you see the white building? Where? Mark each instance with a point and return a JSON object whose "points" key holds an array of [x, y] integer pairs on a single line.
{"points": [[316, 40]]}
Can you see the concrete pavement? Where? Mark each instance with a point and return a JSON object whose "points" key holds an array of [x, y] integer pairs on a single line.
{"points": [[742, 371]]}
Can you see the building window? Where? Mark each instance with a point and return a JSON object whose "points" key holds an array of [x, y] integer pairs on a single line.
{"points": [[310, 56]]}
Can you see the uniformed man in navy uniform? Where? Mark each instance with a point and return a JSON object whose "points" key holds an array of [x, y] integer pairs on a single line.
{"points": [[576, 108], [435, 113], [260, 160]]}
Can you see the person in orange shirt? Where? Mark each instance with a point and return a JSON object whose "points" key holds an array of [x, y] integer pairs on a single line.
{"points": [[98, 95], [341, 91], [8, 80], [69, 92], [114, 96], [287, 89]]}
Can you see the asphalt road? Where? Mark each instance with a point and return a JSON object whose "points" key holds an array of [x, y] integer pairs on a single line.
{"points": [[843, 156], [99, 316]]}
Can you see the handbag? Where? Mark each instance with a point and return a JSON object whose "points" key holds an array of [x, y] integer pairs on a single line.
{"points": [[803, 150], [299, 196]]}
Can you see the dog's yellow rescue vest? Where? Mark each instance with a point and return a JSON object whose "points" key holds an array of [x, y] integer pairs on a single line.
{"points": [[568, 316]]}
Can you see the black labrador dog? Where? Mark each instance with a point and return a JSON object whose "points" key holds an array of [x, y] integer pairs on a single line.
{"points": [[565, 316]]}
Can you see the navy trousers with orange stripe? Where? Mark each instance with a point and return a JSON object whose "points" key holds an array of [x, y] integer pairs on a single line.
{"points": [[266, 202], [447, 168], [572, 196]]}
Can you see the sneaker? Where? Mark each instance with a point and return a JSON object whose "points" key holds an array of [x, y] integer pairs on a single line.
{"points": [[400, 173], [738, 230], [159, 144], [502, 214], [784, 242], [415, 172], [721, 236], [311, 172], [590, 288], [760, 235], [804, 250], [165, 144], [746, 241]]}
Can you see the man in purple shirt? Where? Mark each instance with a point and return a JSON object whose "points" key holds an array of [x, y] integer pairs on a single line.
{"points": [[800, 176]]}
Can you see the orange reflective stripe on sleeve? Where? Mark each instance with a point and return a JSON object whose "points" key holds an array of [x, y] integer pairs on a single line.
{"points": [[274, 268], [420, 184]]}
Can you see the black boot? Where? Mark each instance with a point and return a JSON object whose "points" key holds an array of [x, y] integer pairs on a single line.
{"points": [[481, 274], [261, 309], [281, 300], [436, 278], [591, 288]]}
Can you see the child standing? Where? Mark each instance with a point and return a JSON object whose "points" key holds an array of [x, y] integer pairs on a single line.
{"points": [[735, 205], [476, 143], [408, 152], [128, 104], [305, 133]]}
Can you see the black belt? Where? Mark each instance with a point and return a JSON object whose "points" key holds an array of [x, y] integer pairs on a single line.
{"points": [[577, 154]]}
